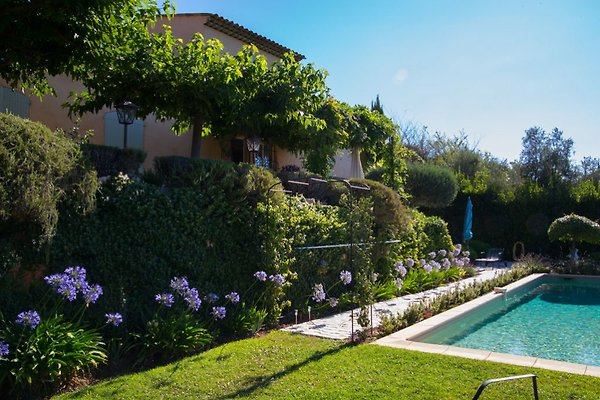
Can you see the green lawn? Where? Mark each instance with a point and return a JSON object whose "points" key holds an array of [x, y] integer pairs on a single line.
{"points": [[287, 366]]}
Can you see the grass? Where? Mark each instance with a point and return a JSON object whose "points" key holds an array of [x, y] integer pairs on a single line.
{"points": [[287, 366]]}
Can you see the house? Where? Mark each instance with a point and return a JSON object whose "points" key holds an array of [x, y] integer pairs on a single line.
{"points": [[155, 137]]}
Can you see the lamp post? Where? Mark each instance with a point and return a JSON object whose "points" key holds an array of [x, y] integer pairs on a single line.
{"points": [[253, 142], [126, 114], [350, 188]]}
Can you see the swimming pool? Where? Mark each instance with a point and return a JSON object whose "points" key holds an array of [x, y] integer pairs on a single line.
{"points": [[550, 317]]}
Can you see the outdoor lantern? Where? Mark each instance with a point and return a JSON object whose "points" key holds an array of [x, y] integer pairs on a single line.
{"points": [[253, 143], [126, 114]]}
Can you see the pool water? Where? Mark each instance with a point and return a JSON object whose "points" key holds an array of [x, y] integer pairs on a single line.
{"points": [[553, 317]]}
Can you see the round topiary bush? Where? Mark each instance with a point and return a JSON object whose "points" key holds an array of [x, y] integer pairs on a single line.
{"points": [[430, 186]]}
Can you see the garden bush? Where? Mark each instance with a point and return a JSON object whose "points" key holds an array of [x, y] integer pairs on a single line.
{"points": [[430, 185], [40, 168], [108, 161]]}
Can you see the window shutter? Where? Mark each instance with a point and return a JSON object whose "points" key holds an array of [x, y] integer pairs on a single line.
{"points": [[113, 132], [12, 102]]}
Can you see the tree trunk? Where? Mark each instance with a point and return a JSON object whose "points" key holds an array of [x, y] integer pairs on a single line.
{"points": [[197, 125]]}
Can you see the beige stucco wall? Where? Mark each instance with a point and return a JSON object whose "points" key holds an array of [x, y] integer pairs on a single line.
{"points": [[186, 25]]}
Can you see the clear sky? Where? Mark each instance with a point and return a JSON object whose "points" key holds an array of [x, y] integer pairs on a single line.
{"points": [[490, 68]]}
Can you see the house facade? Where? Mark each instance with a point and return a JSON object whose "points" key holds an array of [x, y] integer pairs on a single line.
{"points": [[152, 136]]}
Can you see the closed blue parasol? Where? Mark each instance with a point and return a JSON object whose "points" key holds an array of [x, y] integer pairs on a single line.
{"points": [[467, 234]]}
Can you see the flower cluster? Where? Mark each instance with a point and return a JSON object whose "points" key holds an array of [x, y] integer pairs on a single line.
{"points": [[319, 295], [29, 319], [211, 298], [436, 261], [114, 319], [233, 297], [260, 275], [346, 277], [73, 281], [165, 299], [4, 349], [278, 279], [219, 312], [191, 296]]}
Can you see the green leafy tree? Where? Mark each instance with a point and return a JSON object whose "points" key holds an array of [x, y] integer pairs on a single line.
{"points": [[52, 37], [201, 87], [546, 158], [574, 229]]}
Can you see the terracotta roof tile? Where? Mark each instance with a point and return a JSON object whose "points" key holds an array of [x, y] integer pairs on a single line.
{"points": [[237, 31]]}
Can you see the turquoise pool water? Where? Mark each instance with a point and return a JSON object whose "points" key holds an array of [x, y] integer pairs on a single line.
{"points": [[553, 317]]}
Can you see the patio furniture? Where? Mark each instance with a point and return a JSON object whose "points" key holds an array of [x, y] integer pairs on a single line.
{"points": [[491, 256]]}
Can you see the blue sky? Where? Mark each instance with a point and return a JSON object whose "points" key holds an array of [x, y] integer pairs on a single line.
{"points": [[490, 68]]}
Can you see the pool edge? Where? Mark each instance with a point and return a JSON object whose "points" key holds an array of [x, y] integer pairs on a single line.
{"points": [[404, 338]]}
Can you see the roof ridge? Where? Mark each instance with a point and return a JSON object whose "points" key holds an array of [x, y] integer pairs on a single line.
{"points": [[240, 32]]}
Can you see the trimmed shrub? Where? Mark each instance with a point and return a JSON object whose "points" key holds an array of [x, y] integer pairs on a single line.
{"points": [[430, 186], [109, 161]]}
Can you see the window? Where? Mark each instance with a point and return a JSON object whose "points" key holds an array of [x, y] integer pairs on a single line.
{"points": [[13, 102], [113, 132], [240, 153]]}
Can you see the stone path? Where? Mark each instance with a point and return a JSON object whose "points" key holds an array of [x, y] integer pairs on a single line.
{"points": [[339, 326]]}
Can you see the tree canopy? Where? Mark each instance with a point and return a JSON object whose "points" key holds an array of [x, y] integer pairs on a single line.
{"points": [[52, 37], [546, 158], [574, 228]]}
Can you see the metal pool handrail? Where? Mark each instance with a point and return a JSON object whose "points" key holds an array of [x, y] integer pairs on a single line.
{"points": [[509, 378]]}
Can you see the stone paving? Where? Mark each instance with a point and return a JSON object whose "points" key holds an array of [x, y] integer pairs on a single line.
{"points": [[339, 326]]}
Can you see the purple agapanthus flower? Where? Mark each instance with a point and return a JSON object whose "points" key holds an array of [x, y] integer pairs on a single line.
{"points": [[427, 268], [399, 283], [76, 273], [318, 293], [67, 289], [346, 277], [54, 280], [422, 262], [29, 319], [401, 269], [442, 253], [219, 312], [179, 285], [211, 298], [260, 275], [115, 319], [278, 279], [333, 302], [446, 263], [165, 299], [91, 293], [435, 265], [233, 297], [193, 299], [410, 263], [4, 348], [432, 254]]}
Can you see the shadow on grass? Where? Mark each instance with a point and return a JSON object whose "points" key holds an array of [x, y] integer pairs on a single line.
{"points": [[266, 380]]}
